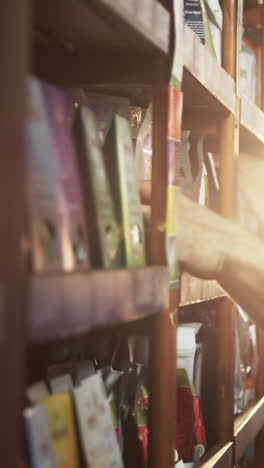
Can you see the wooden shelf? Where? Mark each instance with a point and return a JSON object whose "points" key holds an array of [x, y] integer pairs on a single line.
{"points": [[206, 84], [195, 290], [247, 426], [218, 457], [97, 24], [68, 304], [252, 126]]}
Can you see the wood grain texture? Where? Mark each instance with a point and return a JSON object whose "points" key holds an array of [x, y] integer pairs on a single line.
{"points": [[163, 360], [14, 53]]}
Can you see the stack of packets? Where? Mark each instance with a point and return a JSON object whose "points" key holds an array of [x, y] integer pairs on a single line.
{"points": [[83, 417]]}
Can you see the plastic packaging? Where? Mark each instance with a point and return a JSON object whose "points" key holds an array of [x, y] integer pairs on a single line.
{"points": [[186, 347], [144, 148]]}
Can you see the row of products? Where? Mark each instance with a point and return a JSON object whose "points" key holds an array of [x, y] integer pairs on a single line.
{"points": [[83, 416], [205, 18], [198, 178], [84, 202]]}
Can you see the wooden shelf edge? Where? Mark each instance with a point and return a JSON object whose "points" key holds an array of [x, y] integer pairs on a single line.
{"points": [[218, 457], [202, 301], [247, 426], [133, 22], [252, 121], [64, 305], [68, 23], [205, 69]]}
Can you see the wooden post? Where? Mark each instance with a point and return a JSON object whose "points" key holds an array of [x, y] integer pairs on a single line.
{"points": [[228, 143], [14, 51], [163, 353], [260, 335]]}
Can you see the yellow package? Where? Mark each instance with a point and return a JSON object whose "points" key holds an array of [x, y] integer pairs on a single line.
{"points": [[62, 427]]}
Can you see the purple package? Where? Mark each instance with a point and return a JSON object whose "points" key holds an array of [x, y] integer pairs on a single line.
{"points": [[75, 230]]}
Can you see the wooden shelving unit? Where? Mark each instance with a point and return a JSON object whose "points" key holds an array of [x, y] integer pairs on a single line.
{"points": [[68, 305], [98, 44]]}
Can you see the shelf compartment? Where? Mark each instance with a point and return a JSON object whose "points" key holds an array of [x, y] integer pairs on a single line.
{"points": [[218, 457], [64, 305], [97, 24], [252, 125], [247, 426], [206, 84], [195, 290]]}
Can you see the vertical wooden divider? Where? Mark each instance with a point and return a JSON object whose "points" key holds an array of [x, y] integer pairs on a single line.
{"points": [[226, 323], [259, 461], [14, 54], [162, 359]]}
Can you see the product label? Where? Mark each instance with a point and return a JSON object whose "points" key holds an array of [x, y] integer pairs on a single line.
{"points": [[66, 158], [97, 432], [131, 209], [61, 423], [44, 198], [194, 18]]}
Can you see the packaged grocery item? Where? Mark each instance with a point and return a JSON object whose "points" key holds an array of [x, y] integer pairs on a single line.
{"points": [[186, 347], [44, 196], [193, 17], [173, 154], [137, 115], [190, 432], [143, 155], [104, 235], [120, 168], [61, 423], [212, 181], [104, 108], [215, 21], [185, 171], [133, 405], [76, 255], [185, 419], [97, 433], [248, 356], [39, 438], [239, 388]]}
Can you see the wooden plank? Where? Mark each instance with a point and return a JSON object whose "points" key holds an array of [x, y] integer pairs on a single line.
{"points": [[83, 68], [195, 290], [65, 305], [247, 426], [103, 24], [162, 338], [201, 302], [14, 57], [218, 457], [208, 84]]}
